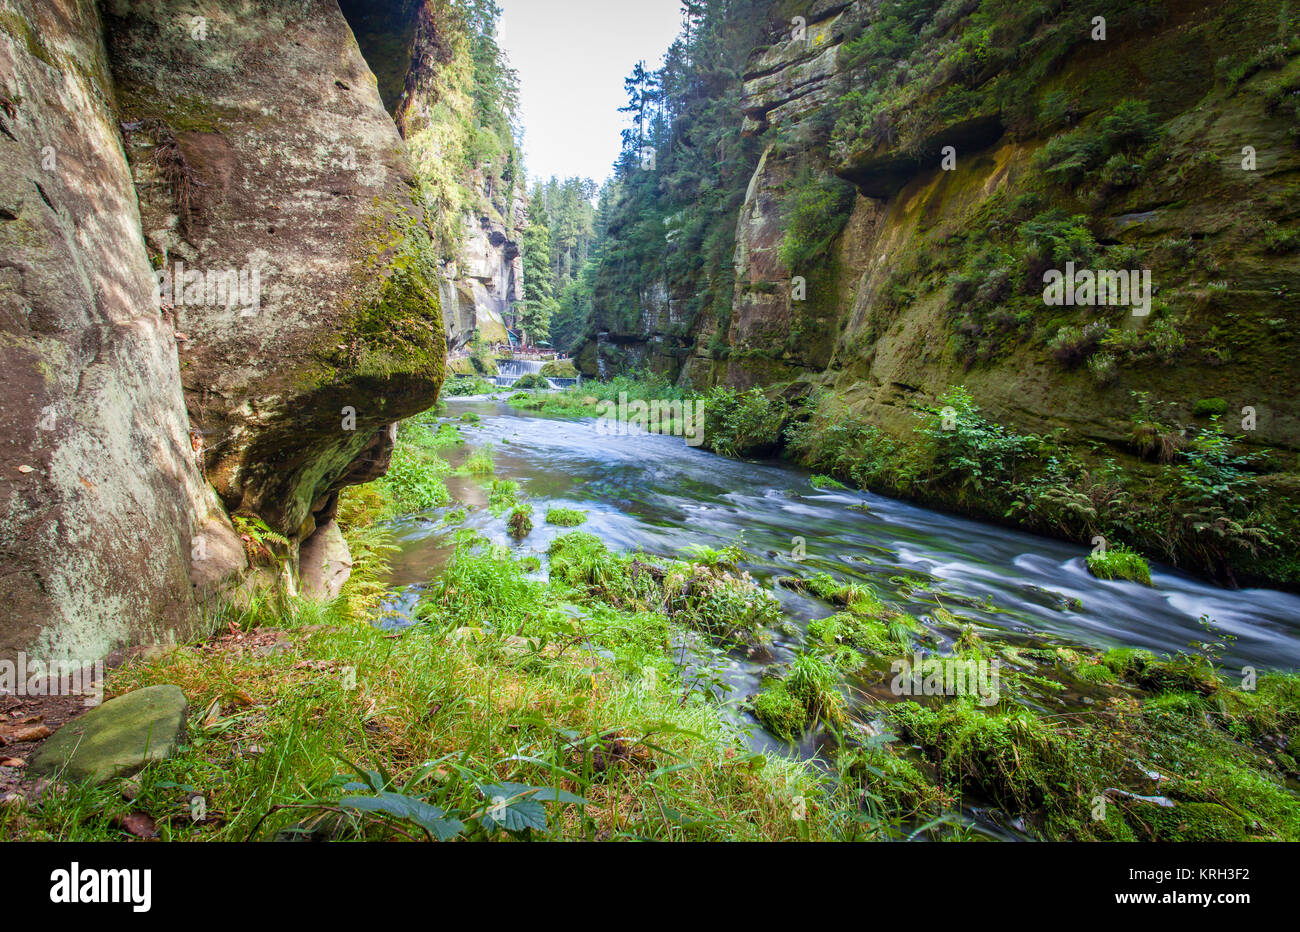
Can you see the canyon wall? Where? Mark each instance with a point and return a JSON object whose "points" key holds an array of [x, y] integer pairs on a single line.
{"points": [[220, 290], [905, 173]]}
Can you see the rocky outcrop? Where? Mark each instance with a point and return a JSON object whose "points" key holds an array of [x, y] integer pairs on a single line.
{"points": [[100, 492], [218, 295], [487, 279], [338, 333], [483, 210]]}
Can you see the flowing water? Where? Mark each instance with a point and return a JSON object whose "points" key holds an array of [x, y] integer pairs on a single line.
{"points": [[657, 493]]}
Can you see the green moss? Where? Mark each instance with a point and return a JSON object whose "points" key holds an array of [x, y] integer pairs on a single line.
{"points": [[395, 326], [860, 632], [1177, 673], [1191, 822], [1009, 756], [20, 29], [1210, 407], [781, 713], [1119, 562], [895, 784]]}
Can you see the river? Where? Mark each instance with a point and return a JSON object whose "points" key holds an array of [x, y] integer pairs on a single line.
{"points": [[657, 493]]}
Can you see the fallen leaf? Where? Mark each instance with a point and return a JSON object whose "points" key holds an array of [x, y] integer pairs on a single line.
{"points": [[25, 469], [12, 762], [213, 715], [138, 824], [241, 697], [29, 733]]}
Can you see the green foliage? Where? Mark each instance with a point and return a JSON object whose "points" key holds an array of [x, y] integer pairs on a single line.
{"points": [[816, 213], [480, 462], [970, 449], [415, 478], [1071, 158], [1119, 562], [530, 382], [521, 521], [469, 385], [743, 423], [565, 517], [807, 693]]}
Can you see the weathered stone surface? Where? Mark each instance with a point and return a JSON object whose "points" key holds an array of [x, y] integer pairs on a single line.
{"points": [[117, 738], [99, 488], [324, 563], [262, 145]]}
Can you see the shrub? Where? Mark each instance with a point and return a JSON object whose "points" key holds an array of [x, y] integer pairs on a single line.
{"points": [[817, 213], [743, 423], [530, 382], [1073, 345]]}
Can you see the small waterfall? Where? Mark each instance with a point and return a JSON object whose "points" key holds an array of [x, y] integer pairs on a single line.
{"points": [[510, 371], [517, 368]]}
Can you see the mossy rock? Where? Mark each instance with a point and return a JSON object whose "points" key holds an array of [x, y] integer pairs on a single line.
{"points": [[780, 712], [1192, 822], [559, 369], [1179, 673], [117, 738]]}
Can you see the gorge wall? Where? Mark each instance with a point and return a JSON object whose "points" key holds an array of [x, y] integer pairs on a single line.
{"points": [[903, 173], [221, 279]]}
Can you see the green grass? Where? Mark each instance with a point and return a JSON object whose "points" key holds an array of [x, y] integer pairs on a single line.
{"points": [[565, 517], [480, 462]]}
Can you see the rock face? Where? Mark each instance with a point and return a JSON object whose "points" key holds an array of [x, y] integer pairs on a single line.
{"points": [[339, 333], [117, 738], [100, 492], [918, 171], [484, 212], [487, 279], [218, 293]]}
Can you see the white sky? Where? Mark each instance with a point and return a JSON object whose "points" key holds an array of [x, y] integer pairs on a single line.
{"points": [[572, 57]]}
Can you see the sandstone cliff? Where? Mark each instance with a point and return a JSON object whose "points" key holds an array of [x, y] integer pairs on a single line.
{"points": [[221, 290]]}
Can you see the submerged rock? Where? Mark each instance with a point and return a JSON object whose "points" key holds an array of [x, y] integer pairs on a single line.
{"points": [[117, 738]]}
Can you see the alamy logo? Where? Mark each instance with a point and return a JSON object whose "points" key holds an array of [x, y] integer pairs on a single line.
{"points": [[1103, 286], [230, 288], [104, 885], [57, 678], [947, 676], [659, 416]]}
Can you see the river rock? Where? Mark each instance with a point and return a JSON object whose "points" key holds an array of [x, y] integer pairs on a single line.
{"points": [[117, 738], [325, 563]]}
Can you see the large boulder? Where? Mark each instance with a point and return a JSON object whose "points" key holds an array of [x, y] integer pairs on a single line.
{"points": [[265, 158]]}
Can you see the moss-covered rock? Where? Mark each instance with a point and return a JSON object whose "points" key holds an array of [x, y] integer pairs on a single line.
{"points": [[1191, 822], [117, 738]]}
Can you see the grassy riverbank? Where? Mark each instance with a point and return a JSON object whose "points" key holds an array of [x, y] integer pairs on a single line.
{"points": [[520, 706]]}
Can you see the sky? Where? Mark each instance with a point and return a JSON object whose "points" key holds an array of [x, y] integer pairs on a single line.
{"points": [[572, 57]]}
